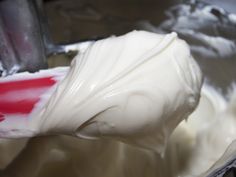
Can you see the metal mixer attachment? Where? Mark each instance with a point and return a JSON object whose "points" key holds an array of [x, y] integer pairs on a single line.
{"points": [[25, 42]]}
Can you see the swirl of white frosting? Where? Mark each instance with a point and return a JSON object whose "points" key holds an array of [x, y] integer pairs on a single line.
{"points": [[135, 88]]}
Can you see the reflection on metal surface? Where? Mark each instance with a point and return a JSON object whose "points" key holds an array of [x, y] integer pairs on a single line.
{"points": [[211, 33], [21, 44], [230, 173], [228, 170]]}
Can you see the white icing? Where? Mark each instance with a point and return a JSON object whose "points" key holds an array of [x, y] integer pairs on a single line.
{"points": [[135, 88], [205, 136]]}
